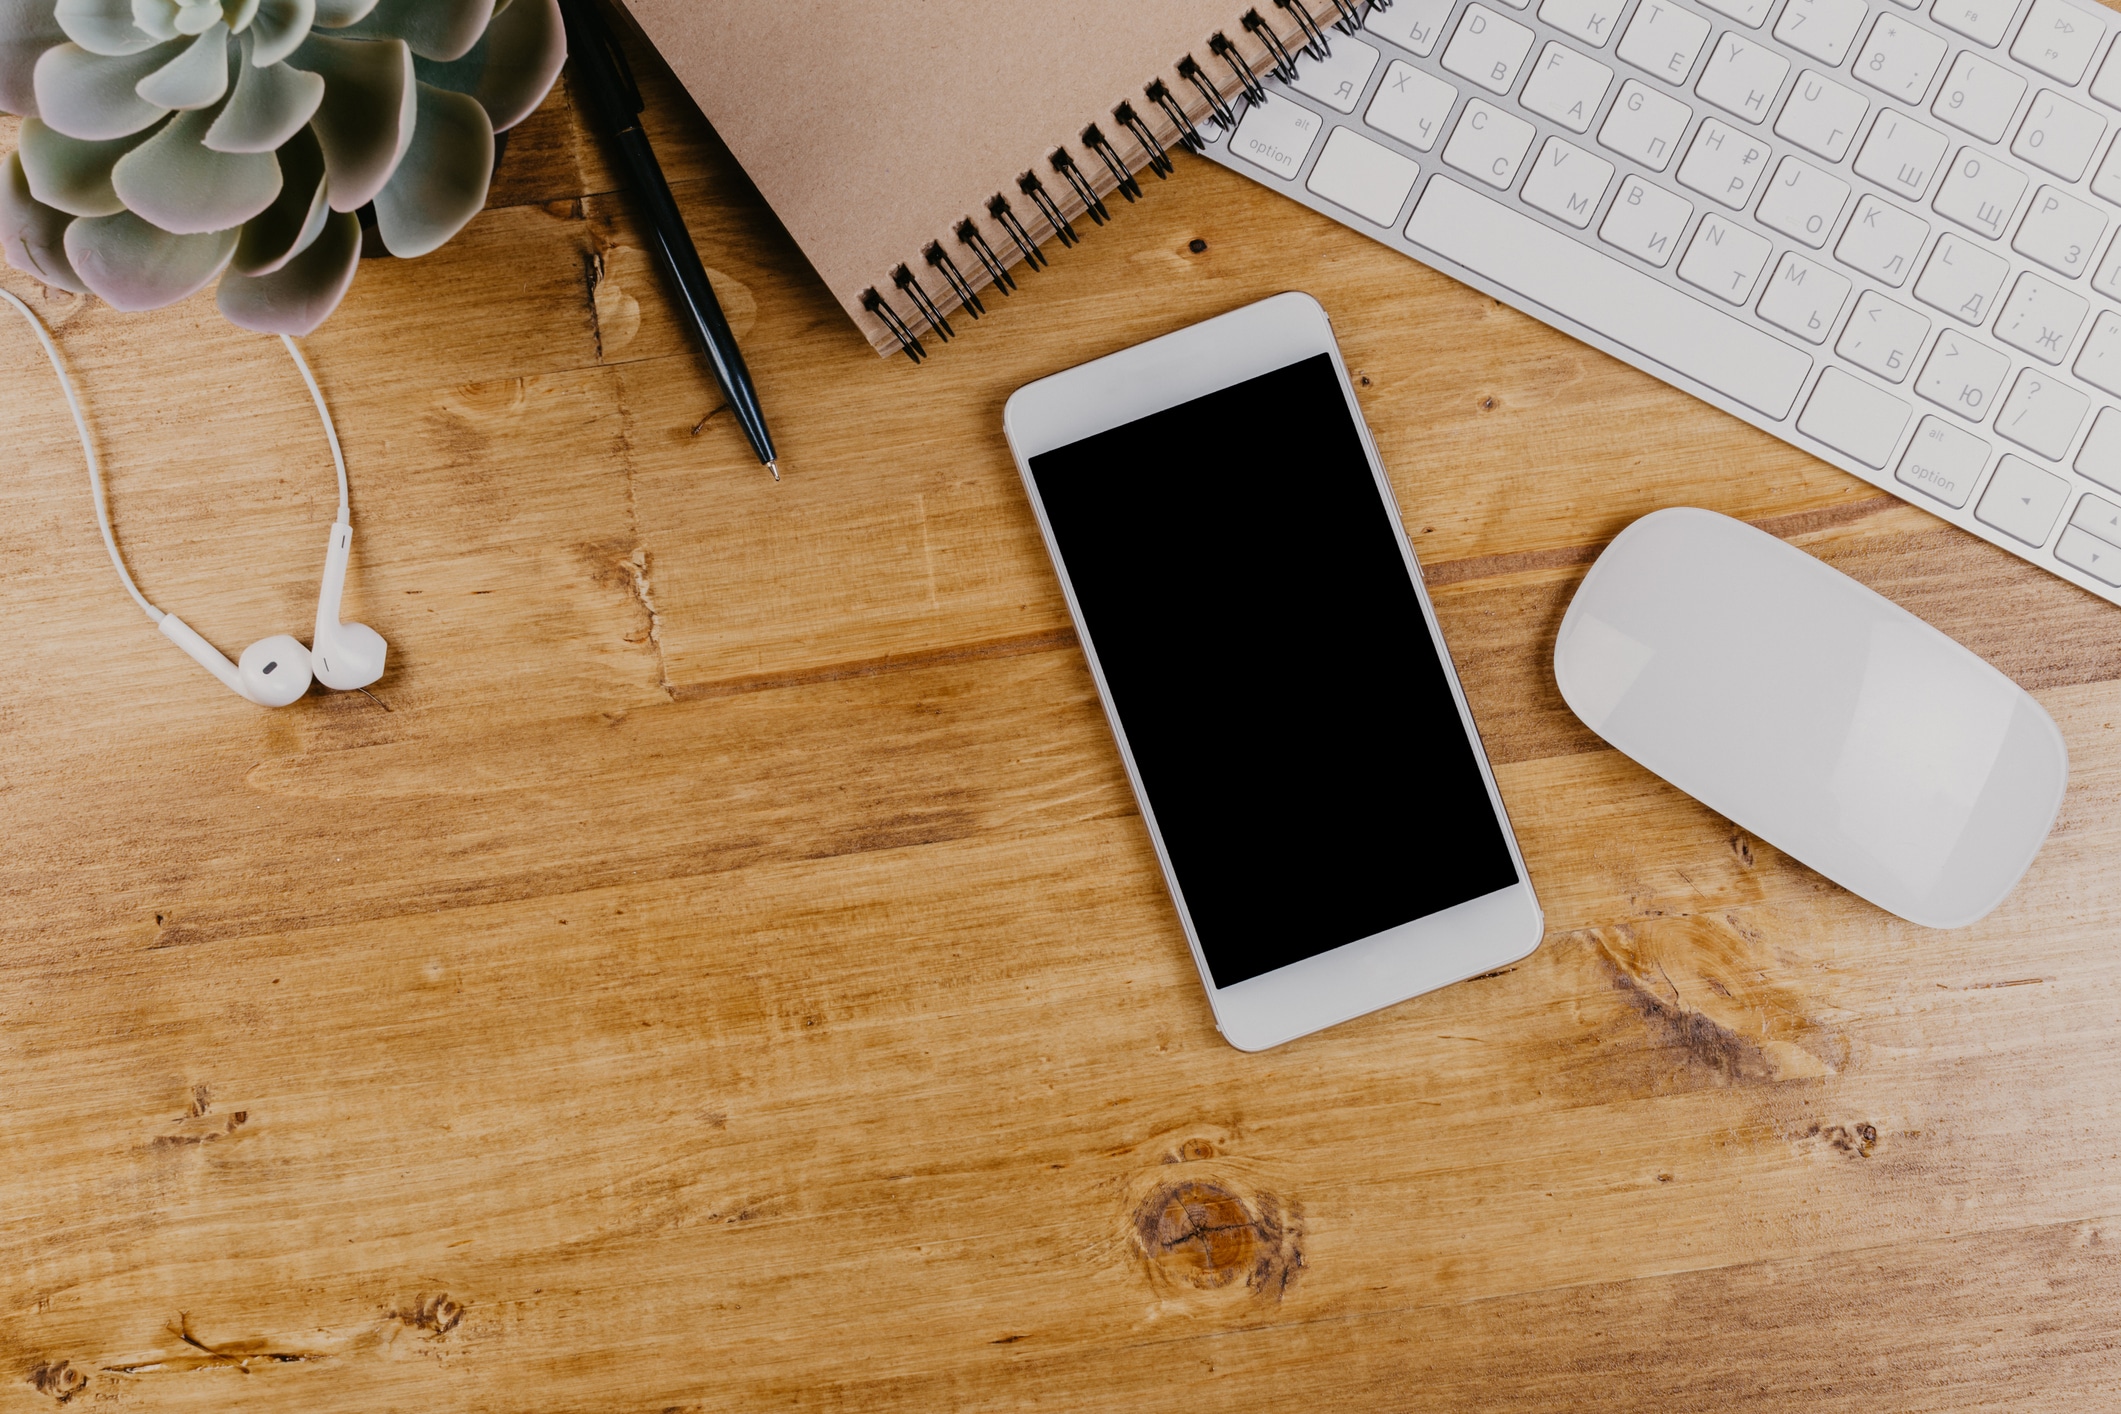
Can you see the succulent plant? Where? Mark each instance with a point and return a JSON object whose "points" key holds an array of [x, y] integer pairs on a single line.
{"points": [[166, 143]]}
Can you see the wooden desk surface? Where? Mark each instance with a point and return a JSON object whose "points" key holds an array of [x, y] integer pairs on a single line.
{"points": [[732, 972]]}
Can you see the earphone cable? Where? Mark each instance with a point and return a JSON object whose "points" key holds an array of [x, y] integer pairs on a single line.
{"points": [[88, 450], [95, 464], [331, 433]]}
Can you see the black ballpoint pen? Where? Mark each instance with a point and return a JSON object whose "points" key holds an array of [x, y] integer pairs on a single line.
{"points": [[614, 102]]}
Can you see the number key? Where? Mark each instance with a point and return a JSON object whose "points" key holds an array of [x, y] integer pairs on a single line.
{"points": [[1823, 29], [1978, 97], [1900, 58]]}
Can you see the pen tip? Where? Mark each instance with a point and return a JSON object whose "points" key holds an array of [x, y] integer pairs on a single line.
{"points": [[775, 468]]}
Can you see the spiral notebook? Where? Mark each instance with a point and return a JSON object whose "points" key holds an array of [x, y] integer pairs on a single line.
{"points": [[921, 153]]}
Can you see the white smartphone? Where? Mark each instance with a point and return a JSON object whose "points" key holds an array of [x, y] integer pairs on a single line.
{"points": [[1268, 659]]}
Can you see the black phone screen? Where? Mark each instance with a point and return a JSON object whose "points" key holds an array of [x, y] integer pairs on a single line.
{"points": [[1266, 655]]}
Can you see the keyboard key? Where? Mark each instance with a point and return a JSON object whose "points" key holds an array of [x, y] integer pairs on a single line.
{"points": [[1978, 97], [2059, 136], [1644, 125], [2042, 413], [1635, 310], [2107, 87], [1803, 202], [1664, 40], [1742, 77], [1883, 336], [1823, 29], [1488, 49], [1724, 164], [1366, 177], [2098, 516], [1982, 21], [1900, 58], [1411, 105], [1588, 20], [2100, 362], [2060, 232], [1961, 279], [1338, 79], [2041, 318], [1854, 418], [1962, 375], [2108, 281], [1980, 193], [1566, 87], [2100, 456], [2058, 39], [1943, 461], [2089, 553], [1277, 135], [1749, 13], [1488, 143], [2106, 182], [1413, 25], [1801, 297], [1567, 182], [1901, 155], [1821, 116], [1724, 259], [1645, 221], [2022, 501], [1882, 241]]}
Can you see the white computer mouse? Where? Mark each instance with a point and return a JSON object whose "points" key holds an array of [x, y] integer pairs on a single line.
{"points": [[1813, 713]]}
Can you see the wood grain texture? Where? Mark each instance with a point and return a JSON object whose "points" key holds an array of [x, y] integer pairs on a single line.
{"points": [[733, 973]]}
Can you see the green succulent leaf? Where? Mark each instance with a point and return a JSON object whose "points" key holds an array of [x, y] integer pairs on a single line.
{"points": [[512, 67], [338, 14], [301, 294], [132, 266], [156, 18], [177, 182], [27, 29], [33, 235], [102, 26], [436, 29], [268, 107], [195, 78], [286, 228], [442, 182], [72, 175], [279, 29], [366, 120], [92, 97]]}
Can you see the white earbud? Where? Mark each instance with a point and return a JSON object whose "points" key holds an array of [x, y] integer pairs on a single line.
{"points": [[343, 656], [273, 672]]}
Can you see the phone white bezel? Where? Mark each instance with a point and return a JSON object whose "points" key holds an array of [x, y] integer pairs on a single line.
{"points": [[1464, 941]]}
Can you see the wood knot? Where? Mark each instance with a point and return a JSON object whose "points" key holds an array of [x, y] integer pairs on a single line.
{"points": [[1204, 1234], [438, 1315], [61, 1381]]}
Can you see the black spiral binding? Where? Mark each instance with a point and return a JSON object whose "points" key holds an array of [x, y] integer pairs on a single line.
{"points": [[939, 259], [969, 237], [1315, 43], [1030, 186], [1310, 38], [1159, 160], [1122, 180], [1220, 46], [1000, 210]]}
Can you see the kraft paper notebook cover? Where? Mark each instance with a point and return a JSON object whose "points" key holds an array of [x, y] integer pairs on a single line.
{"points": [[877, 128]]}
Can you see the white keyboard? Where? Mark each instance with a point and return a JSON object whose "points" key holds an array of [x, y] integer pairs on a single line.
{"points": [[1885, 235]]}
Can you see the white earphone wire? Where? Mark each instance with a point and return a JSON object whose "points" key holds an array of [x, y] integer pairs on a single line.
{"points": [[331, 433], [95, 464], [88, 450]]}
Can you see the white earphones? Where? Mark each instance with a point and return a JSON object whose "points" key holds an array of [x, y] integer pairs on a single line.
{"points": [[275, 671]]}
